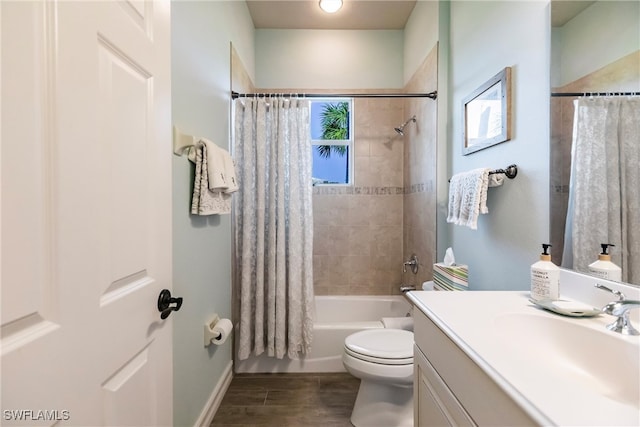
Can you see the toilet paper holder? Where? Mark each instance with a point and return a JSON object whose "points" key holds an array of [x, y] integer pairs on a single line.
{"points": [[209, 333]]}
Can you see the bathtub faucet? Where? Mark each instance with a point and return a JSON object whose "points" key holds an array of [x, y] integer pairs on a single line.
{"points": [[406, 288], [413, 262]]}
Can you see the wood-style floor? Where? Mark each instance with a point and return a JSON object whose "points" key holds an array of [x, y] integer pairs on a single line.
{"points": [[288, 400]]}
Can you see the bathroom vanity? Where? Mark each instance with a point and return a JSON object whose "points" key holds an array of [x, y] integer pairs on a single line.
{"points": [[493, 358]]}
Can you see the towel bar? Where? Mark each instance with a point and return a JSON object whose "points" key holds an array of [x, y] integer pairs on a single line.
{"points": [[510, 171]]}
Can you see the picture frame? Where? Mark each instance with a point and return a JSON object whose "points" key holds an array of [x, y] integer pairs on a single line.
{"points": [[487, 114]]}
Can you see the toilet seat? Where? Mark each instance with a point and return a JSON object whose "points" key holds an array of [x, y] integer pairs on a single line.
{"points": [[381, 346]]}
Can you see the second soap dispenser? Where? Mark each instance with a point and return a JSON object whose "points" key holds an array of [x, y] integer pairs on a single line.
{"points": [[603, 267]]}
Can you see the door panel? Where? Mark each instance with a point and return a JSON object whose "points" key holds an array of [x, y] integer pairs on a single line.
{"points": [[134, 378], [124, 95], [86, 212], [30, 307], [27, 310]]}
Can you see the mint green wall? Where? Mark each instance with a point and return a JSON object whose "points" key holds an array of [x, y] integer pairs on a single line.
{"points": [[601, 34], [420, 36], [485, 37], [329, 59], [201, 36]]}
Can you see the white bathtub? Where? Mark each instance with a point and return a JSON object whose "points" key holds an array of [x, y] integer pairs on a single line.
{"points": [[336, 318]]}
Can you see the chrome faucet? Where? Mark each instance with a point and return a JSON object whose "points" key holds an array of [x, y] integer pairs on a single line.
{"points": [[406, 288], [413, 263], [620, 309]]}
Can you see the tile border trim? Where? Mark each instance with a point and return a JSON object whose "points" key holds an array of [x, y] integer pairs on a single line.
{"points": [[328, 190]]}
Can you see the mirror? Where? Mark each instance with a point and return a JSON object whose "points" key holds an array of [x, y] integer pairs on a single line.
{"points": [[594, 48], [487, 114]]}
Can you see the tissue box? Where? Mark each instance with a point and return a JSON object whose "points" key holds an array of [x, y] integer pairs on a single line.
{"points": [[451, 277]]}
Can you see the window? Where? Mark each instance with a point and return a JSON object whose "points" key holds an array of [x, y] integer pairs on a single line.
{"points": [[332, 141]]}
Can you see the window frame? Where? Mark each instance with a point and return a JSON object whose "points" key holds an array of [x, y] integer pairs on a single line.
{"points": [[348, 142]]}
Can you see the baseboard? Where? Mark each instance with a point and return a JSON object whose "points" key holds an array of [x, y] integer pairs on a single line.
{"points": [[213, 403]]}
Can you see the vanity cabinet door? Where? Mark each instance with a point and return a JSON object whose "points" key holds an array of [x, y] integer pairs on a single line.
{"points": [[435, 404], [485, 403]]}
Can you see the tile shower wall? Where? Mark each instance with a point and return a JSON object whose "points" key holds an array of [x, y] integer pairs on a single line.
{"points": [[362, 234], [358, 229]]}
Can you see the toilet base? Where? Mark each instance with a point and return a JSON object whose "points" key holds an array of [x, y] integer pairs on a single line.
{"points": [[383, 405]]}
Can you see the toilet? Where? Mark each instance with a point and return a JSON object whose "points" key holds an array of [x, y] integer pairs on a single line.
{"points": [[383, 360]]}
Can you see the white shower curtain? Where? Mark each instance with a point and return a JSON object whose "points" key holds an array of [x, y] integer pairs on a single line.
{"points": [[604, 193], [274, 226]]}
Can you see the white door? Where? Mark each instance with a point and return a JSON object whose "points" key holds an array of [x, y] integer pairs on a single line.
{"points": [[86, 223]]}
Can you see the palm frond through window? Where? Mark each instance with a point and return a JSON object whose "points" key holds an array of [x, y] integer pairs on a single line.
{"points": [[335, 126]]}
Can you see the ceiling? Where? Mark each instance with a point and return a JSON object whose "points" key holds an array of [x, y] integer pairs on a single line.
{"points": [[564, 11], [364, 14], [354, 15]]}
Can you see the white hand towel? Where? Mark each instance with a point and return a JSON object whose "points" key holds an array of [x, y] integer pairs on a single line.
{"points": [[229, 172], [222, 172], [468, 197], [206, 201], [496, 179], [215, 164]]}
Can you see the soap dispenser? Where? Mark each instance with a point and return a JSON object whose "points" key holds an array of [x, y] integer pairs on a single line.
{"points": [[603, 267], [545, 278]]}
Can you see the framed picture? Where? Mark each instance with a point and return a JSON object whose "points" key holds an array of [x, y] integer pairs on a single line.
{"points": [[487, 114]]}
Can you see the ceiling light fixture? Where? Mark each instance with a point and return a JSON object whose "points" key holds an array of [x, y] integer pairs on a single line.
{"points": [[330, 6]]}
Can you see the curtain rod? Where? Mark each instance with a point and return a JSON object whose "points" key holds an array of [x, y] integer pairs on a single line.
{"points": [[595, 93], [432, 95]]}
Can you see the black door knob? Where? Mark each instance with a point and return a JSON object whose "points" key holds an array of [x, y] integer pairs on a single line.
{"points": [[164, 303]]}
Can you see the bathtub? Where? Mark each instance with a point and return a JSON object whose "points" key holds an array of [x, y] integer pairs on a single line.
{"points": [[336, 318]]}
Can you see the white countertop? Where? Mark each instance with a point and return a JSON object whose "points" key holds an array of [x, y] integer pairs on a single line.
{"points": [[573, 377]]}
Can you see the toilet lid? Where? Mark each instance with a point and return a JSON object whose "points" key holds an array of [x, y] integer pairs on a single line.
{"points": [[381, 343]]}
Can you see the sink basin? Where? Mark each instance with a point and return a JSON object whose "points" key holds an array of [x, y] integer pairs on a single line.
{"points": [[581, 351]]}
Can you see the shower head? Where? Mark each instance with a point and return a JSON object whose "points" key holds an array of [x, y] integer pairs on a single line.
{"points": [[400, 129]]}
